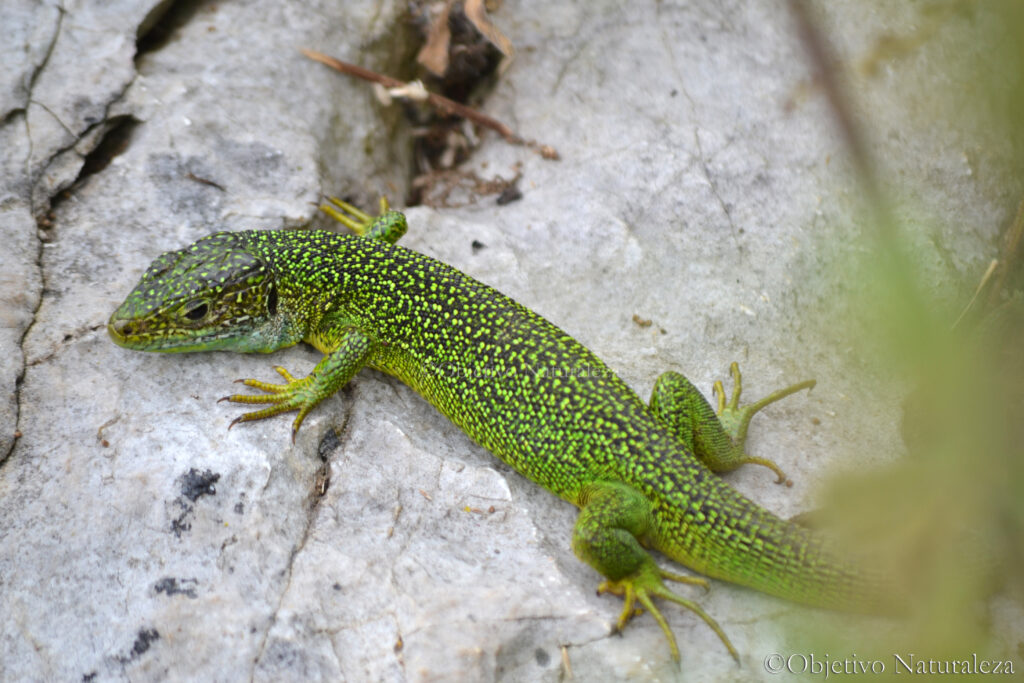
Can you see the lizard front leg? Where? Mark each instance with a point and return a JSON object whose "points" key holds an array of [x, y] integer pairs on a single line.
{"points": [[337, 367]]}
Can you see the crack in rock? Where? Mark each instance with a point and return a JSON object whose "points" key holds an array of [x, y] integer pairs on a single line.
{"points": [[34, 76], [325, 447]]}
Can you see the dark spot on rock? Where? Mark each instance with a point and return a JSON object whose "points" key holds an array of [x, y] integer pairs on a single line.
{"points": [[195, 484], [142, 642], [328, 444], [179, 525], [145, 638], [509, 195], [172, 586]]}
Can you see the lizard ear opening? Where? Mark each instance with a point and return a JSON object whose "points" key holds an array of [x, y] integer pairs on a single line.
{"points": [[272, 299]]}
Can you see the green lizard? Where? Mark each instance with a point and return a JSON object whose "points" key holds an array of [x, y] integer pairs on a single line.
{"points": [[641, 474]]}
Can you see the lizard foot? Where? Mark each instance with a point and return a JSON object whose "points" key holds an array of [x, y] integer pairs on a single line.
{"points": [[389, 226], [736, 420], [297, 394], [647, 584]]}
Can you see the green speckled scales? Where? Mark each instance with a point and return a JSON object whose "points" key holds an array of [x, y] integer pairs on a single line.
{"points": [[514, 382]]}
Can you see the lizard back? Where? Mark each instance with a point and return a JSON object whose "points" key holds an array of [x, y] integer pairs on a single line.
{"points": [[549, 407]]}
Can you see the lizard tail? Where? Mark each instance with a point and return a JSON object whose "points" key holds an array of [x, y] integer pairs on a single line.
{"points": [[758, 549]]}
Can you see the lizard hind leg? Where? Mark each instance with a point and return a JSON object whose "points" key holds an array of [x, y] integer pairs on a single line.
{"points": [[735, 419], [719, 438], [613, 518]]}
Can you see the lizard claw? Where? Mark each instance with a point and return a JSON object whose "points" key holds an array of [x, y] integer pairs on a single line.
{"points": [[283, 398], [648, 584], [735, 419]]}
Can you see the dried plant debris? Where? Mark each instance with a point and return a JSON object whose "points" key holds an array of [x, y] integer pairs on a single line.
{"points": [[476, 12], [397, 89], [1003, 279], [452, 188], [433, 56], [446, 140], [461, 45], [462, 50]]}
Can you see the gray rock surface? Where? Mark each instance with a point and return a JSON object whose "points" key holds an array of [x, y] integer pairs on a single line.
{"points": [[140, 539]]}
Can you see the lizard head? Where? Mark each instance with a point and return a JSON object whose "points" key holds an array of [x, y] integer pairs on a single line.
{"points": [[214, 294]]}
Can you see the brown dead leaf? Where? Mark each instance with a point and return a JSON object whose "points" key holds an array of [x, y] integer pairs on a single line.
{"points": [[434, 54], [477, 14]]}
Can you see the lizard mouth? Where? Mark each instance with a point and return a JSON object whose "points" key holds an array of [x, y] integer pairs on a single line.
{"points": [[136, 334], [142, 334]]}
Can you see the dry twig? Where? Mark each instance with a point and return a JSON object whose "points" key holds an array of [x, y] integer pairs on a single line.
{"points": [[439, 102]]}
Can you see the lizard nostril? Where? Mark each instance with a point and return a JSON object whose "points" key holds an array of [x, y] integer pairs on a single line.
{"points": [[121, 328]]}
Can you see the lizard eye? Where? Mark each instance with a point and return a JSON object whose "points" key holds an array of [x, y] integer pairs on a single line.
{"points": [[197, 311]]}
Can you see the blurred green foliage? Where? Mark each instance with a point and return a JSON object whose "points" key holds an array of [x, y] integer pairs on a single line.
{"points": [[946, 518]]}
